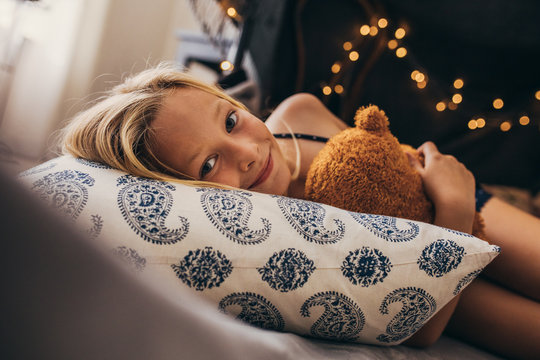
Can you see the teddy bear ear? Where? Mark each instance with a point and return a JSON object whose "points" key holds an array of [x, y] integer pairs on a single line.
{"points": [[371, 118]]}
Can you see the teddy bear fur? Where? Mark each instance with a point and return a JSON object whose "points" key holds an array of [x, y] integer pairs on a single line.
{"points": [[365, 169]]}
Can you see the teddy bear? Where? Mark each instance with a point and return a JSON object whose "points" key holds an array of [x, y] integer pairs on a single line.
{"points": [[365, 169]]}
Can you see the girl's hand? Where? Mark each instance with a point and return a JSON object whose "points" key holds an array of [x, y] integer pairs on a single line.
{"points": [[450, 185]]}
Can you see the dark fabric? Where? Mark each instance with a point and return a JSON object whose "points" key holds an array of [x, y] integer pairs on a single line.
{"points": [[302, 136]]}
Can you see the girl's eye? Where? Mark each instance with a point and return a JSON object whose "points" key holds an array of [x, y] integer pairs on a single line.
{"points": [[231, 121], [207, 167]]}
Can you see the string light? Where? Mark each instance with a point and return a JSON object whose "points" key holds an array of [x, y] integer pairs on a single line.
{"points": [[472, 124], [505, 126], [524, 120], [401, 52], [392, 44], [458, 83], [232, 12], [457, 98], [480, 122], [327, 90], [420, 78], [382, 23], [400, 33], [226, 65], [364, 29], [441, 106]]}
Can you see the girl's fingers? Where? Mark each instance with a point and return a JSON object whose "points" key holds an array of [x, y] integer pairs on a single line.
{"points": [[414, 162]]}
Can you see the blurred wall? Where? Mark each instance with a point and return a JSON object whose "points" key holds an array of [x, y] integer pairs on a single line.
{"points": [[72, 51]]}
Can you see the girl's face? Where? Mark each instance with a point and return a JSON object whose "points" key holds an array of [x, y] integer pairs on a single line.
{"points": [[208, 138]]}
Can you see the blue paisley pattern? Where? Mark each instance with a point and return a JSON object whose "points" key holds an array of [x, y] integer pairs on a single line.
{"points": [[366, 266], [256, 310], [93, 164], [308, 219], [203, 268], [145, 204], [466, 280], [386, 227], [287, 270], [342, 318], [230, 211], [440, 257], [417, 308], [130, 257], [65, 190]]}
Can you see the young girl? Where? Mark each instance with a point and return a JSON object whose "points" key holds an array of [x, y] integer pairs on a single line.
{"points": [[165, 125]]}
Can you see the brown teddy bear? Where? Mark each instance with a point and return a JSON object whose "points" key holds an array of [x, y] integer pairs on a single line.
{"points": [[365, 169]]}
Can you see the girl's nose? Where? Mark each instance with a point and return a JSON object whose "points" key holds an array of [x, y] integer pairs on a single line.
{"points": [[245, 154]]}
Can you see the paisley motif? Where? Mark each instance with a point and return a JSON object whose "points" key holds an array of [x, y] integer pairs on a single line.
{"points": [[417, 307], [308, 219], [131, 257], [229, 211], [366, 266], [145, 204], [287, 270], [342, 319], [97, 225], [440, 257], [256, 310], [467, 279], [93, 164], [203, 268], [386, 227], [65, 190]]}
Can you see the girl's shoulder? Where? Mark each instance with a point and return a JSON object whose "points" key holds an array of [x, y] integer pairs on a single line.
{"points": [[306, 114]]}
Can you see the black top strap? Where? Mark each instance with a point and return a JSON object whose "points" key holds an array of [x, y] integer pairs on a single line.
{"points": [[301, 136]]}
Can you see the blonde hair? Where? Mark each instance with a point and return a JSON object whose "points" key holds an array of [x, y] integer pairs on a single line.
{"points": [[115, 130]]}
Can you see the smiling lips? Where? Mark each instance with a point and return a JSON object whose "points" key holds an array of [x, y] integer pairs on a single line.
{"points": [[265, 172]]}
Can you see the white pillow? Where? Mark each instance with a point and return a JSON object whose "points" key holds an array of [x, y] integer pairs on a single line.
{"points": [[275, 262]]}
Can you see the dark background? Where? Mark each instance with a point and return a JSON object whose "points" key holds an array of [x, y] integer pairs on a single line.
{"points": [[493, 45]]}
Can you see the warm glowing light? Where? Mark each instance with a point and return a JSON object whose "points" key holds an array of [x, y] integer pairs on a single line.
{"points": [[452, 106], [458, 83], [401, 52], [414, 73], [441, 106], [226, 65], [524, 120], [480, 122], [327, 90], [338, 89], [505, 126], [419, 77], [364, 29], [373, 31], [382, 23], [231, 12], [537, 95], [421, 84], [353, 55], [347, 45], [473, 124], [457, 98], [392, 44], [498, 104], [400, 33], [336, 68]]}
